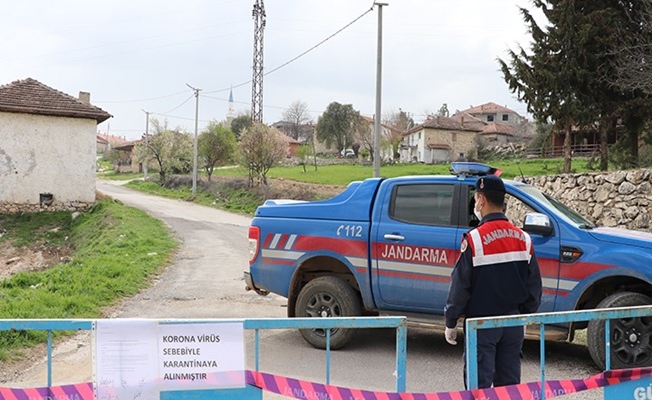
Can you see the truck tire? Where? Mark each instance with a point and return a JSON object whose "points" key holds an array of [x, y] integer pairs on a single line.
{"points": [[327, 296], [631, 338]]}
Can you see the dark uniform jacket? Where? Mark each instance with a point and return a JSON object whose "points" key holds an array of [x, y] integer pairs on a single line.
{"points": [[496, 274]]}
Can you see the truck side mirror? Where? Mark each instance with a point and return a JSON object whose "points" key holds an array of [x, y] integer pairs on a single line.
{"points": [[538, 223]]}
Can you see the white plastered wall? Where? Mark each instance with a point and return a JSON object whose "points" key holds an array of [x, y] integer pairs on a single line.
{"points": [[46, 154]]}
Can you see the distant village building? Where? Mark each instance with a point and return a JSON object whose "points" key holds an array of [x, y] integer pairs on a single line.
{"points": [[440, 140], [446, 139], [492, 112], [106, 142]]}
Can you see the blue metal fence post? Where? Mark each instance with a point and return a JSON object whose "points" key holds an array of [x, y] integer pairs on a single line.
{"points": [[401, 356], [607, 345], [257, 349], [328, 356], [542, 360], [49, 358], [471, 354]]}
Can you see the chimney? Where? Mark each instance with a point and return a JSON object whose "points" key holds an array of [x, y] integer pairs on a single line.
{"points": [[85, 97]]}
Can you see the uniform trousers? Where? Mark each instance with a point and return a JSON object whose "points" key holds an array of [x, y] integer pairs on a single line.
{"points": [[499, 357]]}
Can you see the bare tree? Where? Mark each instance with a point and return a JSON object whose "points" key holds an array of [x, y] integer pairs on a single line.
{"points": [[297, 115], [261, 148], [633, 51], [398, 124], [363, 133], [170, 148]]}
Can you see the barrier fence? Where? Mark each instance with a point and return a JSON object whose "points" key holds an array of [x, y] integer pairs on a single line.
{"points": [[301, 389], [475, 324], [255, 324]]}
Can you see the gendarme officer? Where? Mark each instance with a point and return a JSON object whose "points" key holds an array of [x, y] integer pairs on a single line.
{"points": [[496, 274]]}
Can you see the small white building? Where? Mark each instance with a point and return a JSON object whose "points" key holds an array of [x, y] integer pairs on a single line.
{"points": [[47, 148]]}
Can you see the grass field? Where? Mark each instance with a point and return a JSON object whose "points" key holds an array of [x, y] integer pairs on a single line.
{"points": [[342, 174]]}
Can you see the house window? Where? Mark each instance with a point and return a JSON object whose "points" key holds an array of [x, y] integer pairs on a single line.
{"points": [[419, 135], [490, 118], [505, 117]]}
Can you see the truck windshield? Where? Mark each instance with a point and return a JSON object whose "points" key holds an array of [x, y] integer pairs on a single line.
{"points": [[558, 208]]}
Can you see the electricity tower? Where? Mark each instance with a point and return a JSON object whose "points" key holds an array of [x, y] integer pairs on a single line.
{"points": [[257, 81]]}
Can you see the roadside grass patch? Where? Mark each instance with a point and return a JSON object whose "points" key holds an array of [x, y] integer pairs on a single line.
{"points": [[120, 176], [116, 251], [227, 193], [49, 229]]}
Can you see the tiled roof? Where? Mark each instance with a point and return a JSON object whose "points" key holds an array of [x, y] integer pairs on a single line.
{"points": [[488, 108], [469, 120], [447, 123], [497, 128], [128, 146], [32, 97]]}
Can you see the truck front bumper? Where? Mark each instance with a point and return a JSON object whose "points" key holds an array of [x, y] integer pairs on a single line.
{"points": [[249, 281]]}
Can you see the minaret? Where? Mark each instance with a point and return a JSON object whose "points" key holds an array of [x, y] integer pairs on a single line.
{"points": [[230, 111]]}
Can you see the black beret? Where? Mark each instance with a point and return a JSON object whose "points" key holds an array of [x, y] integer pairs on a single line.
{"points": [[490, 183]]}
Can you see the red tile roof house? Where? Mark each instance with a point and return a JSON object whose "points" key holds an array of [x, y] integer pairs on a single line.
{"points": [[440, 140], [48, 148]]}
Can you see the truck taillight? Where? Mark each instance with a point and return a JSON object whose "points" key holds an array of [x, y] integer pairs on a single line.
{"points": [[254, 243]]}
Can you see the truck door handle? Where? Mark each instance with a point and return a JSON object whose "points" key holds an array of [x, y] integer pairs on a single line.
{"points": [[390, 236]]}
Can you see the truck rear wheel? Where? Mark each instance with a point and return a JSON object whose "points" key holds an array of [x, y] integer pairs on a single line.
{"points": [[631, 338], [323, 297]]}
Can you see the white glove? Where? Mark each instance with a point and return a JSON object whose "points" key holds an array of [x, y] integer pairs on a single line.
{"points": [[451, 335]]}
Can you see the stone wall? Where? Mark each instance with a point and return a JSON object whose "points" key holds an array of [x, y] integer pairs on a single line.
{"points": [[620, 199], [33, 208]]}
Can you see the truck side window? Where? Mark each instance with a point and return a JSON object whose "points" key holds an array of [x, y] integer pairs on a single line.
{"points": [[515, 210], [426, 204]]}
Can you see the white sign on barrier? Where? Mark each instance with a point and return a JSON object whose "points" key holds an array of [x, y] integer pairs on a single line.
{"points": [[138, 359], [201, 356]]}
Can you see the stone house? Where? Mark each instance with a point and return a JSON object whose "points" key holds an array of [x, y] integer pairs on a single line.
{"points": [[440, 140], [124, 161], [48, 148]]}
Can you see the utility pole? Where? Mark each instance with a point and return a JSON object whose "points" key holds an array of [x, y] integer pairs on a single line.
{"points": [[194, 147], [146, 146], [259, 16], [379, 69]]}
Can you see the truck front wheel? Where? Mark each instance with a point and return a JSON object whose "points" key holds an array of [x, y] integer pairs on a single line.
{"points": [[327, 296], [631, 338]]}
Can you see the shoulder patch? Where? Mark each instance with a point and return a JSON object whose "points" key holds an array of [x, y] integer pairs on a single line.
{"points": [[464, 246]]}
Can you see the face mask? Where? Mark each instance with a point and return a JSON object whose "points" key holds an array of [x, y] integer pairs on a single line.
{"points": [[477, 212]]}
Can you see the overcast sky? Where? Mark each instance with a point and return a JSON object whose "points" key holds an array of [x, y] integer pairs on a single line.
{"points": [[139, 55]]}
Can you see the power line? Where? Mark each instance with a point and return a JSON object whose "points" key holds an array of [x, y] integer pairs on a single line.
{"points": [[299, 56], [179, 106], [318, 44], [140, 100]]}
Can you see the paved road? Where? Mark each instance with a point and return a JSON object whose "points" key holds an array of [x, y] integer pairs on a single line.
{"points": [[205, 281]]}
